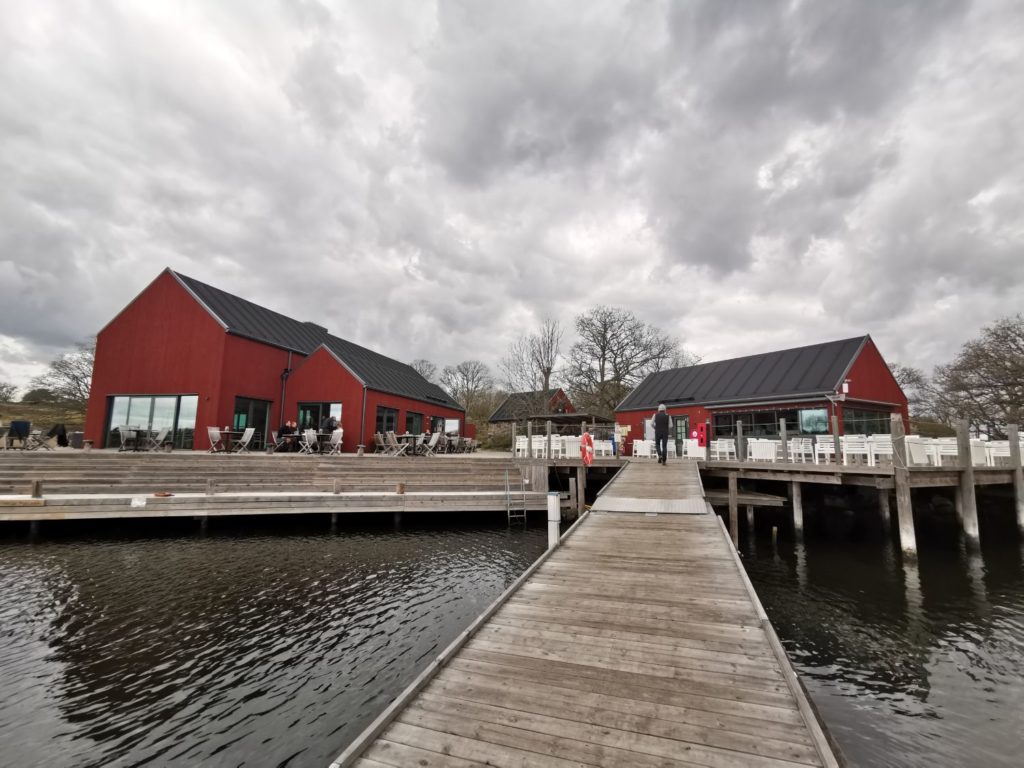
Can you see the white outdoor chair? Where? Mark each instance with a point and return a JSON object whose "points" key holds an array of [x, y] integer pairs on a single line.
{"points": [[155, 443], [380, 445], [241, 445], [855, 447], [397, 449], [520, 447], [801, 449], [723, 449], [428, 449], [824, 449], [307, 443], [996, 450], [692, 449], [944, 449], [670, 449], [919, 451], [761, 450], [216, 443], [879, 446], [540, 447], [571, 447], [36, 441], [337, 436]]}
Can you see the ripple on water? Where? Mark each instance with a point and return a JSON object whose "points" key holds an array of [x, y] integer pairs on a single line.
{"points": [[233, 649]]}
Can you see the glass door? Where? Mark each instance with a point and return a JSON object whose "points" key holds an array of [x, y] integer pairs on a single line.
{"points": [[252, 413], [682, 424]]}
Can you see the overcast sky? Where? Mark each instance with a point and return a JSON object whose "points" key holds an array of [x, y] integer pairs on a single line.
{"points": [[431, 179]]}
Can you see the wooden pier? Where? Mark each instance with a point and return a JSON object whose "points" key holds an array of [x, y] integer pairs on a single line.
{"points": [[637, 642]]}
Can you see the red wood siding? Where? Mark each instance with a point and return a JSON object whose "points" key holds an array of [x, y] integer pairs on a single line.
{"points": [[251, 369], [321, 378], [163, 343], [560, 399], [871, 380]]}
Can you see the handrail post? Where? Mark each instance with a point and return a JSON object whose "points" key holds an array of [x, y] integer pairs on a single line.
{"points": [[785, 442], [740, 441]]}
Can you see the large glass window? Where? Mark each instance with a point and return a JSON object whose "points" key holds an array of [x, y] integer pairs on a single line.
{"points": [[860, 422], [387, 419], [312, 414], [413, 423], [252, 413], [176, 413], [451, 426], [814, 421]]}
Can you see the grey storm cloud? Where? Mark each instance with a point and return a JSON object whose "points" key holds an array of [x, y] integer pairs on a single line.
{"points": [[432, 178]]}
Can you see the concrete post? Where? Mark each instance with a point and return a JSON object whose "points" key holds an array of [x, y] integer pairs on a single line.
{"points": [[554, 518], [969, 500]]}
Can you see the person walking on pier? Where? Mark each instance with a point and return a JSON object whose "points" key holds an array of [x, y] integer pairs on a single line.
{"points": [[662, 426]]}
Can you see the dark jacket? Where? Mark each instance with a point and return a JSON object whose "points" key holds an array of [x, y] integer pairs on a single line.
{"points": [[662, 422]]}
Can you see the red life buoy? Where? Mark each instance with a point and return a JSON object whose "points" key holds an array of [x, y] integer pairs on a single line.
{"points": [[587, 448]]}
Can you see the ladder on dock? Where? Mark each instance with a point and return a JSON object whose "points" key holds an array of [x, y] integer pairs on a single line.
{"points": [[515, 507]]}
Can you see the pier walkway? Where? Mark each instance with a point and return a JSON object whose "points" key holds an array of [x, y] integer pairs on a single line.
{"points": [[637, 642], [650, 487]]}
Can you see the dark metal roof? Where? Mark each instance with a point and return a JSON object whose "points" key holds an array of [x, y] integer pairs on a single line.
{"points": [[243, 318], [789, 373], [519, 405], [383, 374]]}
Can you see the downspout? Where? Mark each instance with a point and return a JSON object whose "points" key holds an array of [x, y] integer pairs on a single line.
{"points": [[362, 420], [284, 385]]}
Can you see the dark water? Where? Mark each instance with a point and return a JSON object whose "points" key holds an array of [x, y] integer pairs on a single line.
{"points": [[910, 664], [239, 648]]}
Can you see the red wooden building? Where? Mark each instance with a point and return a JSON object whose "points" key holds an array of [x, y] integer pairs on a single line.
{"points": [[521, 405], [806, 386], [186, 355]]}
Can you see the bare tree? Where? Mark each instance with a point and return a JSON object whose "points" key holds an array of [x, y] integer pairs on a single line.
{"points": [[470, 383], [530, 361], [545, 346], [616, 351], [915, 386], [424, 368], [70, 375], [985, 382], [7, 391]]}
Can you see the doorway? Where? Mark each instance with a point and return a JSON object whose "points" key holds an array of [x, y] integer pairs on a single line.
{"points": [[250, 412]]}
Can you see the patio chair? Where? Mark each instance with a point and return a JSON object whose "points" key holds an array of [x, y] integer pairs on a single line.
{"points": [[801, 449], [336, 438], [308, 443], [879, 446], [156, 442], [379, 445], [431, 445], [397, 449], [761, 450], [128, 435], [919, 451], [944, 449], [241, 445], [723, 449], [853, 446], [3, 437], [213, 433], [519, 449], [996, 450], [824, 449], [36, 440]]}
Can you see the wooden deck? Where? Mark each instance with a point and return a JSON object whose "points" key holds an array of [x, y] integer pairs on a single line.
{"points": [[638, 642], [644, 486]]}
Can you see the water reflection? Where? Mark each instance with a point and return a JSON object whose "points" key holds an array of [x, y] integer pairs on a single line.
{"points": [[230, 649], [912, 662]]}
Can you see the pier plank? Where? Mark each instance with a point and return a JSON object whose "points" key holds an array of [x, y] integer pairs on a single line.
{"points": [[637, 642]]}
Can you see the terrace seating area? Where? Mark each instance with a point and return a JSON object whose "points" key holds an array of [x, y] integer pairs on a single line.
{"points": [[392, 444], [20, 434], [562, 447]]}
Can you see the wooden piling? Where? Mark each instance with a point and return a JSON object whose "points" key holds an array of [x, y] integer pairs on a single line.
{"points": [[707, 440], [883, 507], [734, 512], [796, 491], [836, 441], [37, 489], [785, 442], [548, 427], [573, 496], [750, 520], [740, 447], [901, 479], [529, 439], [969, 499], [1013, 433], [581, 489]]}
